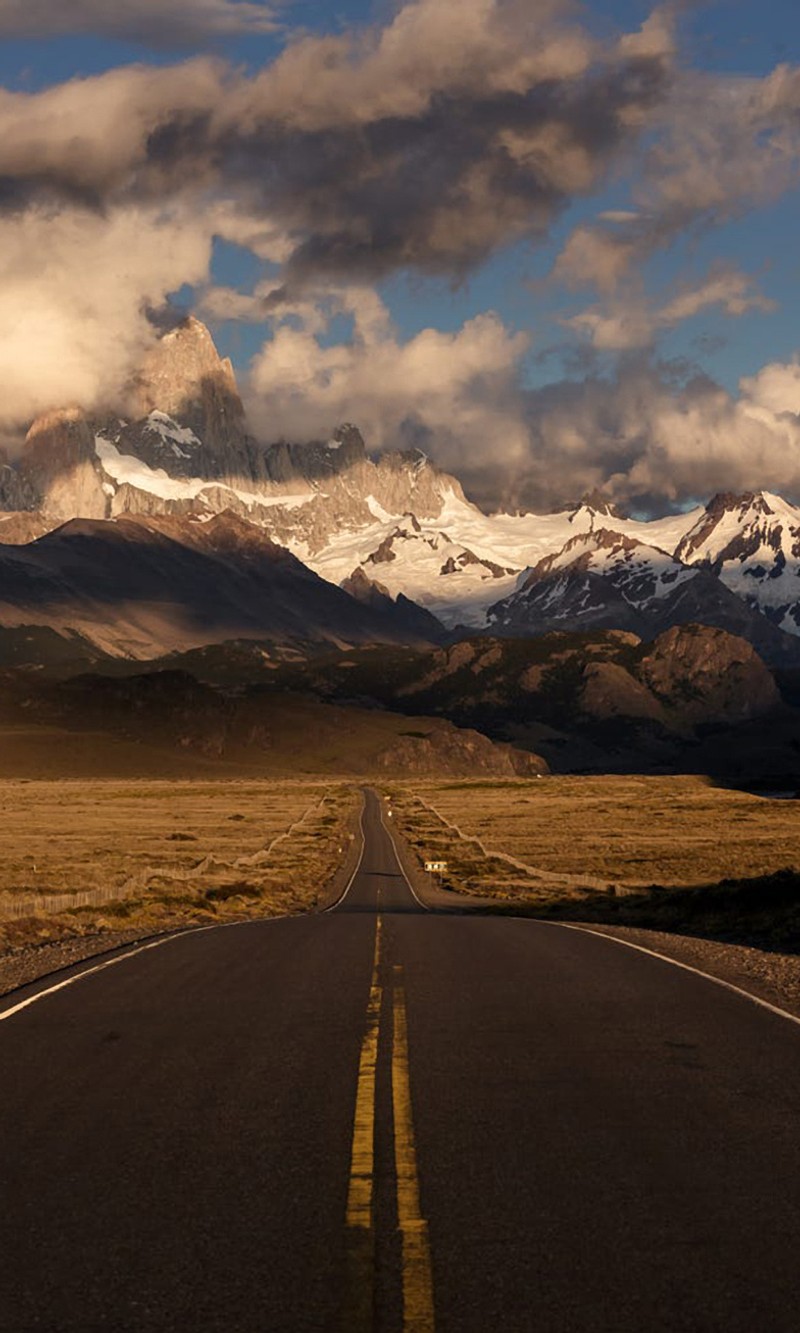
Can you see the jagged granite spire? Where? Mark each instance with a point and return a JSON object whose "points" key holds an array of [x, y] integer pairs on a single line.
{"points": [[185, 377]]}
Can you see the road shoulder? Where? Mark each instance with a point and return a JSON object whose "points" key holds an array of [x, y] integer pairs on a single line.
{"points": [[774, 977]]}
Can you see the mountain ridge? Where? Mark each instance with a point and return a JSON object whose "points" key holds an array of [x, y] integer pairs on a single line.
{"points": [[398, 522], [141, 586]]}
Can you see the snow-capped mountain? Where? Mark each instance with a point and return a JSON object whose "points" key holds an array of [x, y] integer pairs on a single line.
{"points": [[753, 543], [598, 579], [397, 523], [605, 580], [461, 562]]}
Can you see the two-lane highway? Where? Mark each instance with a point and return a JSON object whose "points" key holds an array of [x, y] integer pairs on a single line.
{"points": [[385, 1118]]}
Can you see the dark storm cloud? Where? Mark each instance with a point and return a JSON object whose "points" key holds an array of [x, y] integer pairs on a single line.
{"points": [[151, 22], [372, 161], [441, 191]]}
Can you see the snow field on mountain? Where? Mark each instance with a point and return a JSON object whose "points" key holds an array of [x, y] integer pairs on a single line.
{"points": [[127, 470], [413, 554], [160, 424]]}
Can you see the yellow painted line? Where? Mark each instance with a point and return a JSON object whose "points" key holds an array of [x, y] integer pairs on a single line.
{"points": [[418, 1314], [357, 1310]]}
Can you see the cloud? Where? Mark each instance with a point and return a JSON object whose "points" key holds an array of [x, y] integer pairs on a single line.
{"points": [[445, 392], [650, 435], [89, 142], [73, 297], [456, 130], [151, 22], [720, 146], [775, 391], [651, 439], [429, 144], [631, 323]]}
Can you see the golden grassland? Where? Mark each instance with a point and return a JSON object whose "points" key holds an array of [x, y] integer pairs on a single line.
{"points": [[94, 855], [561, 836]]}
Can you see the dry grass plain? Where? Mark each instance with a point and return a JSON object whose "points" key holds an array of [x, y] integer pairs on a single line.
{"points": [[88, 856], [560, 836]]}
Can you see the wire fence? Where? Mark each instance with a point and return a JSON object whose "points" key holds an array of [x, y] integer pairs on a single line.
{"points": [[545, 878], [14, 906]]}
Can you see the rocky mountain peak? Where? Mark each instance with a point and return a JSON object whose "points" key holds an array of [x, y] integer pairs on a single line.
{"points": [[596, 503], [348, 437], [737, 527], [361, 587], [746, 503], [580, 551], [57, 467], [184, 377]]}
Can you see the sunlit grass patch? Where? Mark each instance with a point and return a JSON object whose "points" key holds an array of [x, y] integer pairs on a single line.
{"points": [[158, 853]]}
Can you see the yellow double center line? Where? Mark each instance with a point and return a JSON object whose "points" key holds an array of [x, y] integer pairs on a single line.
{"points": [[417, 1280], [417, 1276]]}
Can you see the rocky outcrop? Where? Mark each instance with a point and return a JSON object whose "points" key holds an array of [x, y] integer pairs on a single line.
{"points": [[451, 752], [704, 675], [599, 506], [16, 495], [610, 691], [19, 528], [689, 677], [58, 467]]}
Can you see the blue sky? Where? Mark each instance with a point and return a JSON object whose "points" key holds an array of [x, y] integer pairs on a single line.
{"points": [[720, 35], [742, 239]]}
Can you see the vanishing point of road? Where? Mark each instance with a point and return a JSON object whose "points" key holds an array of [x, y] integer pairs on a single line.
{"points": [[390, 1118]]}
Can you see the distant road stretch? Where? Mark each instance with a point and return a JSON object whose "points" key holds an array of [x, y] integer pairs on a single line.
{"points": [[393, 1119]]}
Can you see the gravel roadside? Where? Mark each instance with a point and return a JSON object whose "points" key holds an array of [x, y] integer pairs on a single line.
{"points": [[21, 966], [774, 977]]}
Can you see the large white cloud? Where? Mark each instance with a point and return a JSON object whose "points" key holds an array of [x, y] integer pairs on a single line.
{"points": [[74, 290], [453, 393]]}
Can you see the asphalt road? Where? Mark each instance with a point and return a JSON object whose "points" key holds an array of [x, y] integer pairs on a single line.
{"points": [[451, 1121]]}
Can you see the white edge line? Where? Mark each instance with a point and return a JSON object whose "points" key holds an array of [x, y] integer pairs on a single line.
{"points": [[167, 939], [352, 878], [89, 971], [123, 957], [674, 962], [414, 894]]}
